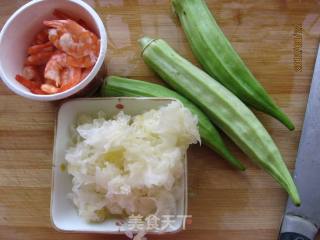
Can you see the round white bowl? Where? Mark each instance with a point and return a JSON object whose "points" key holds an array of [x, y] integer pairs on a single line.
{"points": [[19, 31]]}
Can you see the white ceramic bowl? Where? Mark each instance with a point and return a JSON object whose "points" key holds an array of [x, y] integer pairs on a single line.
{"points": [[19, 31], [64, 216]]}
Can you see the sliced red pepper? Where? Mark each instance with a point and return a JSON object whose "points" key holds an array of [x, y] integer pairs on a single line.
{"points": [[38, 91], [32, 86]]}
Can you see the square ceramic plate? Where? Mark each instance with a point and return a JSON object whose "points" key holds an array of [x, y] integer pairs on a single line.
{"points": [[64, 216]]}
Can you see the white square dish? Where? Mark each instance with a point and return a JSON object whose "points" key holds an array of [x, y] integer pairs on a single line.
{"points": [[64, 215]]}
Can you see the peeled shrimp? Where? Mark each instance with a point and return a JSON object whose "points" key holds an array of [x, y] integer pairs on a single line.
{"points": [[32, 73], [45, 47], [70, 74], [57, 68], [32, 86], [68, 36], [70, 77], [29, 72], [42, 37], [48, 88], [83, 62], [61, 56], [85, 73], [54, 67], [39, 58]]}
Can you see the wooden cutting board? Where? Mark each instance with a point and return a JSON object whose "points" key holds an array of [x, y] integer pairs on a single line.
{"points": [[224, 203]]}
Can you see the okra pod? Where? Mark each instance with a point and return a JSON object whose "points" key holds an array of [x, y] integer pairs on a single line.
{"points": [[224, 109], [219, 59], [118, 86]]}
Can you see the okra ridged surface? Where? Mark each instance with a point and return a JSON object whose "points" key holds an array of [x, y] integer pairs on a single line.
{"points": [[219, 59], [225, 110]]}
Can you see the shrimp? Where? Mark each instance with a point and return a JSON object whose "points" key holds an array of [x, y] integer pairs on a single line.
{"points": [[70, 77], [68, 36], [73, 82], [61, 56], [59, 71], [48, 88], [42, 37], [32, 86], [83, 62], [39, 58], [29, 72], [85, 73], [69, 74], [54, 67], [32, 73], [45, 47]]}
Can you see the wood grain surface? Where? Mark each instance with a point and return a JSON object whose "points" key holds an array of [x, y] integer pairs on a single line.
{"points": [[224, 204]]}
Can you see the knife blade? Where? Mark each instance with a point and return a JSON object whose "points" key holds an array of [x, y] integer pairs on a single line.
{"points": [[303, 222]]}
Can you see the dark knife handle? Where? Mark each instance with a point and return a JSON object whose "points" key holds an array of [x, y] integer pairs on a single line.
{"points": [[292, 236]]}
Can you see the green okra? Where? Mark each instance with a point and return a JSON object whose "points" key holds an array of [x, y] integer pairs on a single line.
{"points": [[118, 86], [224, 109], [220, 60]]}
